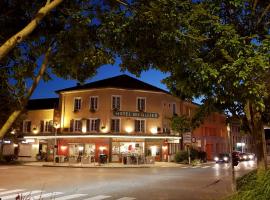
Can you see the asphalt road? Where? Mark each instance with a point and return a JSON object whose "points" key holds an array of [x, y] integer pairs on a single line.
{"points": [[207, 182]]}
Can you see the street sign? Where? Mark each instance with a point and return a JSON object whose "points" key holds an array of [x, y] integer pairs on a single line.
{"points": [[187, 137]]}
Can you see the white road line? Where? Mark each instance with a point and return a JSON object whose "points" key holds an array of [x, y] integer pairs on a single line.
{"points": [[25, 194], [99, 197], [1, 189], [11, 191], [195, 167], [51, 195], [127, 198], [184, 167], [72, 196], [205, 167]]}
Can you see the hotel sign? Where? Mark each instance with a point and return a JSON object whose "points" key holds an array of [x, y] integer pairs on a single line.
{"points": [[135, 114]]}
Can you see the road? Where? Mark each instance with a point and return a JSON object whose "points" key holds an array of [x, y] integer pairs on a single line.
{"points": [[210, 181]]}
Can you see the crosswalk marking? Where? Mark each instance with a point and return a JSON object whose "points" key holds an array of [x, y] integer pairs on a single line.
{"points": [[51, 195], [25, 194], [195, 167], [1, 189], [70, 196], [11, 191], [127, 198], [99, 197]]}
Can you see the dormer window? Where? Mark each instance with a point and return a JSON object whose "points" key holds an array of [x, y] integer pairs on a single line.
{"points": [[93, 103], [141, 103], [77, 103]]}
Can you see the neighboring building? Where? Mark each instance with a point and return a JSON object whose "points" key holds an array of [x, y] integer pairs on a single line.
{"points": [[240, 141], [116, 116]]}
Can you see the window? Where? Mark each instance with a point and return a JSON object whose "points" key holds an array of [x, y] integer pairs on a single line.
{"points": [[115, 125], [26, 126], [93, 103], [93, 124], [140, 126], [46, 126], [116, 102], [141, 103], [77, 125], [174, 108], [77, 103]]}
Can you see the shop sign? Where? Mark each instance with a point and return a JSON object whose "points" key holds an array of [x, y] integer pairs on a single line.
{"points": [[187, 137], [135, 114]]}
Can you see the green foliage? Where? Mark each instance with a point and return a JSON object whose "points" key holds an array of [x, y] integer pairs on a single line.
{"points": [[180, 124], [181, 156], [255, 185]]}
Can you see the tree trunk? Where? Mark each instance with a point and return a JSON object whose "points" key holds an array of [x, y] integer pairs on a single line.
{"points": [[12, 118], [28, 29], [259, 136]]}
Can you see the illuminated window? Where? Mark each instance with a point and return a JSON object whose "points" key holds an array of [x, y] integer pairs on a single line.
{"points": [[77, 125], [77, 103], [93, 103], [115, 125], [46, 126], [116, 102], [26, 126], [93, 124], [140, 126], [141, 102]]}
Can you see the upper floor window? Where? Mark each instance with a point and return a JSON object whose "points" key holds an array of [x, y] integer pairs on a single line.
{"points": [[115, 125], [26, 126], [75, 125], [116, 102], [93, 124], [141, 102], [77, 103], [140, 126], [46, 126], [93, 103]]}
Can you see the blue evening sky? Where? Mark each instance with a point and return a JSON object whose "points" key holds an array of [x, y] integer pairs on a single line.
{"points": [[46, 89]]}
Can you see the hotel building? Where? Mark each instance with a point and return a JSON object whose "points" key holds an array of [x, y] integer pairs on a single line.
{"points": [[115, 117]]}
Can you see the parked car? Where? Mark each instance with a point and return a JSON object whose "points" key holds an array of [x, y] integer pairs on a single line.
{"points": [[246, 156], [222, 158]]}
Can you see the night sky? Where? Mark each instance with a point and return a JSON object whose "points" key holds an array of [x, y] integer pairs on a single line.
{"points": [[46, 89]]}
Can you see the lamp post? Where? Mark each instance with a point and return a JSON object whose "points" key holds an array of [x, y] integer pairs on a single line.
{"points": [[56, 126]]}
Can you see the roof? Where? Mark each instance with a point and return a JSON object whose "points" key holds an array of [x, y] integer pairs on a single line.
{"points": [[121, 82], [39, 104]]}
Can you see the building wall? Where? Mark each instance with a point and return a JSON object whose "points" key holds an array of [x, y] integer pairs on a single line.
{"points": [[156, 102]]}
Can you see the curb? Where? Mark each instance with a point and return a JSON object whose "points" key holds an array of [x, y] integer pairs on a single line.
{"points": [[107, 167]]}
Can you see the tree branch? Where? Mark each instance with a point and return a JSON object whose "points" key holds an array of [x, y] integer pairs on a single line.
{"points": [[264, 13], [28, 29], [12, 118]]}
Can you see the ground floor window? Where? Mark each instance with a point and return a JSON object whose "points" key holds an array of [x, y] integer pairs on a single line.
{"points": [[81, 149], [153, 150], [126, 148], [174, 148]]}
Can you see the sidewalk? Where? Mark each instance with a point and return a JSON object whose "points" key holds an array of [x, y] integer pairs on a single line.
{"points": [[108, 165]]}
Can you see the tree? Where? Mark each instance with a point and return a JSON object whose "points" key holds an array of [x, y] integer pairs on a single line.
{"points": [[65, 43], [214, 49]]}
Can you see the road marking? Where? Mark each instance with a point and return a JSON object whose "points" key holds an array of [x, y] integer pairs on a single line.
{"points": [[24, 195], [195, 167], [205, 167], [11, 191], [184, 167], [51, 195], [1, 189], [99, 197], [127, 198], [73, 196]]}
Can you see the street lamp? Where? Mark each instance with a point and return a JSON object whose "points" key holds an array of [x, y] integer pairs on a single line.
{"points": [[56, 126]]}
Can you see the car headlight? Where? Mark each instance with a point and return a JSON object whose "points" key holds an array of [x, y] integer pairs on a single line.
{"points": [[245, 157], [216, 158], [225, 158], [251, 157]]}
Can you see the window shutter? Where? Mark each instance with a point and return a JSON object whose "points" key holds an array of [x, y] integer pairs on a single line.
{"points": [[41, 126], [71, 125], [88, 125], [80, 125], [29, 126], [98, 125], [112, 125], [50, 126]]}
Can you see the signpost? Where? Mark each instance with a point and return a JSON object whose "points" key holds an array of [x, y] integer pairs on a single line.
{"points": [[187, 138]]}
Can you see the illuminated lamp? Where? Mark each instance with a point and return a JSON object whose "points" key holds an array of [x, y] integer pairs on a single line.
{"points": [[15, 145], [128, 129], [35, 130], [101, 148], [81, 148], [63, 148], [84, 129], [154, 130]]}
